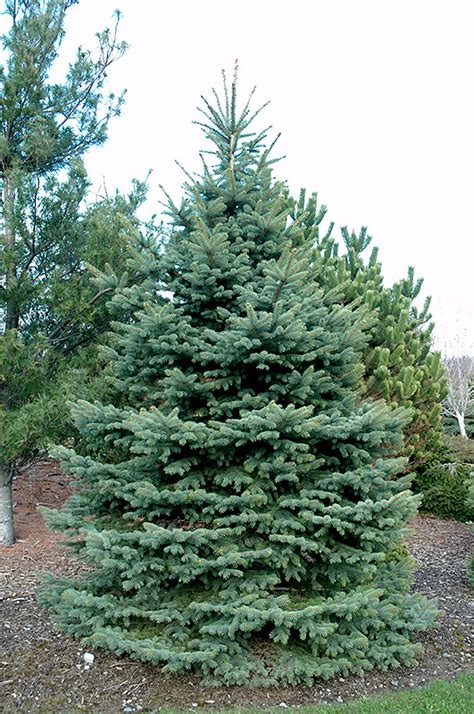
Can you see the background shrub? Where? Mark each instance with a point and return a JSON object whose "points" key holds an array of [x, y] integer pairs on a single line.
{"points": [[447, 480]]}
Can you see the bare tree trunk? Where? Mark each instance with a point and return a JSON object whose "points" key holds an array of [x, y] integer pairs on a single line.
{"points": [[461, 424], [7, 535]]}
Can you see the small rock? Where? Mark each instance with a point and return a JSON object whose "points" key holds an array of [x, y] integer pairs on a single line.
{"points": [[284, 705], [88, 657]]}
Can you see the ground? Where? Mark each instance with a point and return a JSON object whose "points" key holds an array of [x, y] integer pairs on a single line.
{"points": [[42, 670]]}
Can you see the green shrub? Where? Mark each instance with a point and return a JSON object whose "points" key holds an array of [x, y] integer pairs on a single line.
{"points": [[446, 480], [463, 449]]}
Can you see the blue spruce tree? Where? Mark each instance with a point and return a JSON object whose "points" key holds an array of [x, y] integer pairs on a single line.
{"points": [[241, 503]]}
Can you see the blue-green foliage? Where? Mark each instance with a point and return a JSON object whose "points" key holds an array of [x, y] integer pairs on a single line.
{"points": [[243, 506]]}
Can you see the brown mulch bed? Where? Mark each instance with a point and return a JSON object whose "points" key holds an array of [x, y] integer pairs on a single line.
{"points": [[42, 670]]}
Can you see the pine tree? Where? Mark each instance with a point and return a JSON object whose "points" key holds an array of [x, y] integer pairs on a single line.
{"points": [[238, 500], [400, 363], [45, 129]]}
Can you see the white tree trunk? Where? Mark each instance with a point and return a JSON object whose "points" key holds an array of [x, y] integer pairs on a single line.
{"points": [[461, 424], [7, 536]]}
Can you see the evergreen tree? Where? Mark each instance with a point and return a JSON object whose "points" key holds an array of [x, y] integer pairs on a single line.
{"points": [[400, 364], [45, 128], [239, 499]]}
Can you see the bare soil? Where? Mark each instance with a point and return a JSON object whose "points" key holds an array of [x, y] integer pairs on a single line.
{"points": [[42, 670]]}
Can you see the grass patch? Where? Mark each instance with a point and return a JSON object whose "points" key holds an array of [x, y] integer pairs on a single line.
{"points": [[455, 697]]}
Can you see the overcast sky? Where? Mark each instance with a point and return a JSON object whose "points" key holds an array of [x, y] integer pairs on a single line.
{"points": [[374, 100]]}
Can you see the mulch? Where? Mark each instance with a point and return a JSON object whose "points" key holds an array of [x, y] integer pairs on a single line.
{"points": [[42, 670]]}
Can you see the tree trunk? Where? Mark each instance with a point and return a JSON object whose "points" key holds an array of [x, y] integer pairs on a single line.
{"points": [[461, 424], [7, 535]]}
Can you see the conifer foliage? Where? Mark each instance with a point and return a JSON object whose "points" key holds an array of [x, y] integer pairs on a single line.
{"points": [[47, 309], [400, 364], [240, 502]]}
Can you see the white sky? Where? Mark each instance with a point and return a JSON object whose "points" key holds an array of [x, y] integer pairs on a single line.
{"points": [[374, 100]]}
